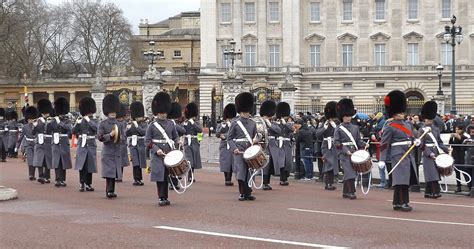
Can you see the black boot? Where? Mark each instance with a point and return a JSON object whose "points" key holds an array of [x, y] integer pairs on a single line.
{"points": [[81, 187]]}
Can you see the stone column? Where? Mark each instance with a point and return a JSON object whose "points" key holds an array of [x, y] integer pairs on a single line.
{"points": [[230, 89], [149, 89], [288, 95], [72, 99], [440, 100], [191, 96], [51, 96]]}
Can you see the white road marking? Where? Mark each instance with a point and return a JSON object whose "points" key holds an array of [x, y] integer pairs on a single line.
{"points": [[439, 204], [382, 217], [245, 237]]}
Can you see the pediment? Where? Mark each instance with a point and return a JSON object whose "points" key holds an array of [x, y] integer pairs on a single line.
{"points": [[471, 35], [347, 36], [413, 34], [315, 36], [380, 35], [440, 35], [249, 37]]}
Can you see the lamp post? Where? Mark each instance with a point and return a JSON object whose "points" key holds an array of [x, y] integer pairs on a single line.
{"points": [[453, 35], [439, 70], [152, 55], [232, 54]]}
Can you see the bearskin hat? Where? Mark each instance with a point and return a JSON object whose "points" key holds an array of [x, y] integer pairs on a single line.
{"points": [[161, 103], [137, 110], [244, 102], [45, 106], [429, 110], [344, 108], [191, 110], [330, 110], [110, 104], [31, 113], [61, 106], [13, 115], [87, 106], [122, 111], [283, 110], [176, 111], [229, 112], [395, 102], [2, 112], [268, 108]]}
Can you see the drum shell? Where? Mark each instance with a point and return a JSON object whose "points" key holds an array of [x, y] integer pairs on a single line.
{"points": [[362, 167], [179, 168], [447, 169], [256, 162]]}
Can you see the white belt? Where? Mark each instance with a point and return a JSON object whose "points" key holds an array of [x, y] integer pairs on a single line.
{"points": [[329, 140], [13, 131], [430, 145], [280, 140], [29, 139], [189, 137], [48, 136], [402, 143], [159, 141], [87, 137], [139, 137], [63, 135], [348, 144], [239, 140]]}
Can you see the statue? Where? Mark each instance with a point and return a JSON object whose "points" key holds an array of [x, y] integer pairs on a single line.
{"points": [[151, 73]]}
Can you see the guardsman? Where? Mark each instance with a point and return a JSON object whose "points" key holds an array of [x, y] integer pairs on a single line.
{"points": [[27, 139], [3, 149], [347, 141], [109, 134], [162, 137], [86, 131], [431, 147], [274, 150], [175, 115], [397, 137], [284, 141], [44, 140], [122, 125], [226, 164], [328, 150], [192, 146], [13, 131], [136, 130], [242, 134]]}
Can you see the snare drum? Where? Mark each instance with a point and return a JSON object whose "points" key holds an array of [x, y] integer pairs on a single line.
{"points": [[176, 163], [255, 157], [361, 162], [444, 164]]}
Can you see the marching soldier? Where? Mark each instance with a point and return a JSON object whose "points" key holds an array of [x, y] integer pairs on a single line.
{"points": [[86, 156], [274, 149], [136, 141], [13, 130], [27, 139], [328, 150], [3, 124], [161, 136], [397, 137], [431, 147], [225, 153], [122, 125], [61, 128], [191, 144], [109, 134], [175, 116], [347, 140], [43, 144], [242, 134], [284, 141]]}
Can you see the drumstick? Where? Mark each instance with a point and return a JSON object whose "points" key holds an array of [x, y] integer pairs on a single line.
{"points": [[409, 150]]}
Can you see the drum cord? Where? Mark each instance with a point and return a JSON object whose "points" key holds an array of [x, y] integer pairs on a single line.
{"points": [[463, 173], [445, 183], [252, 178], [185, 179], [362, 185]]}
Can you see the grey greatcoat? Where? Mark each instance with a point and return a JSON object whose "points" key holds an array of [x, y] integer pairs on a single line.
{"points": [[277, 153], [287, 133], [428, 147], [61, 152], [43, 151], [13, 132], [137, 152], [86, 155], [192, 150], [3, 135], [344, 145], [328, 150], [225, 153], [156, 141], [111, 160], [395, 132], [123, 146], [27, 140], [237, 140]]}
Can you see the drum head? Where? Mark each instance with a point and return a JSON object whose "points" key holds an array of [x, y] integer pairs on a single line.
{"points": [[444, 161], [252, 151], [360, 156], [173, 158]]}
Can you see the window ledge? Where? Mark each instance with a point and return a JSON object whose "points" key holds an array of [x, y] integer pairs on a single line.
{"points": [[315, 22], [380, 21], [413, 21], [177, 57], [348, 22], [226, 23], [250, 23], [273, 22], [445, 19]]}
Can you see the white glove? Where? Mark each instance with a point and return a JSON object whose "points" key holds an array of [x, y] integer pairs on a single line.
{"points": [[129, 126], [6, 128], [78, 121], [135, 124], [42, 120], [35, 123], [16, 149], [57, 119], [333, 124], [326, 124], [283, 121], [268, 122], [86, 118], [417, 142], [228, 123], [191, 121], [381, 165]]}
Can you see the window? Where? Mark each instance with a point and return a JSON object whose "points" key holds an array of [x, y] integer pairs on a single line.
{"points": [[446, 8], [379, 9], [347, 86], [379, 55], [177, 54], [446, 84], [249, 12], [347, 10], [412, 54], [315, 12], [316, 86], [274, 55], [274, 12], [315, 53], [347, 55], [446, 54], [250, 55], [380, 85], [412, 9], [225, 13], [225, 63]]}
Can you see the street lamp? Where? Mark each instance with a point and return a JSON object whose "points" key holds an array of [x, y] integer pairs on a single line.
{"points": [[439, 69], [452, 36], [232, 54], [152, 55]]}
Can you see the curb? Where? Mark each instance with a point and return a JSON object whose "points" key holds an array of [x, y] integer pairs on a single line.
{"points": [[8, 193]]}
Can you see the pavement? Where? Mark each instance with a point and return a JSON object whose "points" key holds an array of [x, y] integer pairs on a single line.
{"points": [[209, 215]]}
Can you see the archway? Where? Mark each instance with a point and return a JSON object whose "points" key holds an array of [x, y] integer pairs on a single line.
{"points": [[415, 101]]}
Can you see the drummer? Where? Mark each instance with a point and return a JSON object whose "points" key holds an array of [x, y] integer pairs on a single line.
{"points": [[431, 147], [277, 158], [397, 137], [242, 134], [175, 115], [347, 141]]}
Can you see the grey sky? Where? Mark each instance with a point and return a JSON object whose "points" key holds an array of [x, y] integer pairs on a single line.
{"points": [[154, 10]]}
